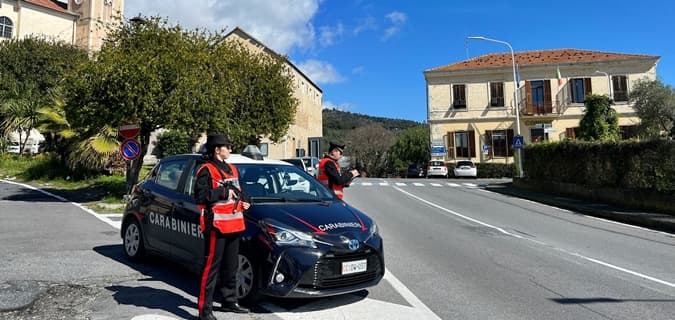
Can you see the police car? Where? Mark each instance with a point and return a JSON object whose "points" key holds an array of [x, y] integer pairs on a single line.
{"points": [[300, 239]]}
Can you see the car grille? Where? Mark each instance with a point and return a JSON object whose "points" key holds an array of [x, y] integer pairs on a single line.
{"points": [[327, 271]]}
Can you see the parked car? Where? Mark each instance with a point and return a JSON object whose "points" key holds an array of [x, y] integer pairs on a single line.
{"points": [[415, 170], [436, 169], [300, 239], [307, 164], [31, 148], [465, 168]]}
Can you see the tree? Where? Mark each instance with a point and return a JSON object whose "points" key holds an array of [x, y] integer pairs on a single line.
{"points": [[600, 120], [161, 76], [368, 148], [654, 103], [412, 146], [31, 71]]}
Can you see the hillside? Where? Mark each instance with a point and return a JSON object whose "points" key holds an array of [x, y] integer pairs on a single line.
{"points": [[337, 123]]}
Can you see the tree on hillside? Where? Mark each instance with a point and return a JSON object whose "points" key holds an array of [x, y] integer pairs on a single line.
{"points": [[654, 103], [30, 74], [368, 148], [600, 120], [161, 76], [412, 146]]}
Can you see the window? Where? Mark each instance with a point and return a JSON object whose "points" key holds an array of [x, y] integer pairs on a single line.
{"points": [[459, 96], [496, 94], [264, 149], [464, 144], [620, 88], [628, 132], [580, 88], [500, 142], [6, 26], [538, 135], [572, 133], [169, 174]]}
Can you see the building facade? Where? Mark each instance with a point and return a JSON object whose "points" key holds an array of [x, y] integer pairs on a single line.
{"points": [[80, 22], [305, 133], [471, 104]]}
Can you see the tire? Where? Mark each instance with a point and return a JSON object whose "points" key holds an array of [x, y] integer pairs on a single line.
{"points": [[248, 280], [132, 242]]}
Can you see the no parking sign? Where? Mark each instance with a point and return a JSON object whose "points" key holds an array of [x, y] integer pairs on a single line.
{"points": [[130, 149]]}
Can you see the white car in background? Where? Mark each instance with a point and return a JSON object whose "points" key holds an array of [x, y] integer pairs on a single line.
{"points": [[32, 148], [465, 168], [437, 168]]}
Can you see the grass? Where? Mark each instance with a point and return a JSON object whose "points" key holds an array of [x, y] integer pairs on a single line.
{"points": [[46, 172]]}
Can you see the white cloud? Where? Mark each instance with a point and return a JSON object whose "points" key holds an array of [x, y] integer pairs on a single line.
{"points": [[397, 19], [365, 25], [328, 35], [320, 72], [342, 106], [280, 25], [358, 70]]}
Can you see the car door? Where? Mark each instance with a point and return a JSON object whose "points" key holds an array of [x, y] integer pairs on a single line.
{"points": [[160, 196], [188, 240]]}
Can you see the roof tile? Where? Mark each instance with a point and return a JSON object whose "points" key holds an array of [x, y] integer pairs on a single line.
{"points": [[50, 4]]}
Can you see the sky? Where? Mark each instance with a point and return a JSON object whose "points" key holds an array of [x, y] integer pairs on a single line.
{"points": [[368, 57]]}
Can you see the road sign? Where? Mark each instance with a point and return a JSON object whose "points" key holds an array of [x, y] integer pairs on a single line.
{"points": [[438, 150], [518, 142], [130, 149], [130, 130], [486, 149]]}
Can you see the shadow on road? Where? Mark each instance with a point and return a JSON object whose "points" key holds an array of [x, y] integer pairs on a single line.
{"points": [[604, 300], [152, 298]]}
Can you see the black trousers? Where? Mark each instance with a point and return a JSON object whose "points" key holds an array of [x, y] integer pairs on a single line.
{"points": [[221, 261]]}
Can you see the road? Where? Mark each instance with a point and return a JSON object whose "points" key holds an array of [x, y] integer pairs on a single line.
{"points": [[452, 249]]}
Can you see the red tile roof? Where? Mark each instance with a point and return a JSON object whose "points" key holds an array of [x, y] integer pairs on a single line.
{"points": [[50, 4], [538, 58]]}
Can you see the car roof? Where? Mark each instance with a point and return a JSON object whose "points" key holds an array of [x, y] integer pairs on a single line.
{"points": [[236, 159]]}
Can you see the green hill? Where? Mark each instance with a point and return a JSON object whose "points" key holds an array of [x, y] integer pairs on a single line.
{"points": [[336, 124]]}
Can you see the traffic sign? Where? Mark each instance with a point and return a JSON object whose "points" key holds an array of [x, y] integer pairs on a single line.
{"points": [[130, 149], [518, 142], [486, 148], [438, 150], [130, 130]]}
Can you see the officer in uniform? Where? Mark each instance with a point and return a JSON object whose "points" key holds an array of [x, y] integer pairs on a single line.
{"points": [[329, 171], [221, 203]]}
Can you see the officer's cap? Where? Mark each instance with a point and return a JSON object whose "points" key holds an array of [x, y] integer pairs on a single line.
{"points": [[332, 146]]}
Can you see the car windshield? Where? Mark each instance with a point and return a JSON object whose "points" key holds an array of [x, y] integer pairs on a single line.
{"points": [[436, 164], [281, 183], [295, 162], [464, 163]]}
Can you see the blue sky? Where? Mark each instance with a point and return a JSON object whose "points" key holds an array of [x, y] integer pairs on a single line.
{"points": [[368, 56]]}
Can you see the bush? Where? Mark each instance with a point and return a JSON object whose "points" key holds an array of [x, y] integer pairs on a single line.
{"points": [[493, 170], [173, 142]]}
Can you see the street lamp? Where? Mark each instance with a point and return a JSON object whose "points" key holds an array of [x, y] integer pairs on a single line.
{"points": [[515, 95], [609, 83]]}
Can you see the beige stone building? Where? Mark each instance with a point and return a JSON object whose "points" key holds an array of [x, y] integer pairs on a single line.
{"points": [[304, 136], [80, 22], [471, 107]]}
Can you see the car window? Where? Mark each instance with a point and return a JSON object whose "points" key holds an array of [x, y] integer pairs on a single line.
{"points": [[189, 187], [169, 173], [437, 164], [464, 163], [296, 162], [274, 182]]}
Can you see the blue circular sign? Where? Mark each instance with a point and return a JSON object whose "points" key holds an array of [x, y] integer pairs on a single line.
{"points": [[130, 149]]}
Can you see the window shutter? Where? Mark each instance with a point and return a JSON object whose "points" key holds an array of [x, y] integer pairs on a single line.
{"points": [[548, 101], [472, 144], [529, 108], [587, 87], [488, 141], [509, 142], [451, 145]]}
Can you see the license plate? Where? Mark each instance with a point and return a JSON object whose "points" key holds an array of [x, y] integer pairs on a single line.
{"points": [[350, 267]]}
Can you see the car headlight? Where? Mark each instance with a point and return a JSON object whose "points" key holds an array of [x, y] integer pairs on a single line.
{"points": [[284, 236], [372, 231]]}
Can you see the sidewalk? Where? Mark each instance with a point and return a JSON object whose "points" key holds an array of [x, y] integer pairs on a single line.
{"points": [[650, 220]]}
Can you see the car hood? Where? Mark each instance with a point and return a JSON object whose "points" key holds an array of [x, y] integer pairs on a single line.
{"points": [[325, 218]]}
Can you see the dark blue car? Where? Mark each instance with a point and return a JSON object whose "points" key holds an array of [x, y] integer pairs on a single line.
{"points": [[300, 239]]}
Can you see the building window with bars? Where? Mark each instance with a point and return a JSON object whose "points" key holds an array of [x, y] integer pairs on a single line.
{"points": [[459, 96], [620, 88], [6, 27], [496, 94]]}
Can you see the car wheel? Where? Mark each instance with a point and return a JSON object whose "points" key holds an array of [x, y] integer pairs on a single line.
{"points": [[248, 280], [133, 241]]}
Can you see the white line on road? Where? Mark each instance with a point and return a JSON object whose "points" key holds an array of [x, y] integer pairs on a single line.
{"points": [[452, 184], [417, 184], [436, 184], [384, 183], [366, 183], [596, 261], [400, 184]]}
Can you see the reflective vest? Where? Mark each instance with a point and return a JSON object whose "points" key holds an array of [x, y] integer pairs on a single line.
{"points": [[228, 215], [323, 177]]}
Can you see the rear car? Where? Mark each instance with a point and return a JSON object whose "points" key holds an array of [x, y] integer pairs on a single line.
{"points": [[437, 169], [415, 170], [307, 164], [465, 168], [300, 239]]}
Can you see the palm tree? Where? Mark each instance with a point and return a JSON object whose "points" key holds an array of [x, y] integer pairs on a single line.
{"points": [[20, 114]]}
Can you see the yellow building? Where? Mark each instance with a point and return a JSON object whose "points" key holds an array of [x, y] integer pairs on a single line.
{"points": [[471, 107], [80, 22], [304, 136]]}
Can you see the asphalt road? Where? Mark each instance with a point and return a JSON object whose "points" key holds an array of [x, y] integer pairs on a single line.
{"points": [[452, 251], [472, 254]]}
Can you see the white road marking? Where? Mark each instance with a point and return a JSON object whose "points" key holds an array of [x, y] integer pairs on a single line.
{"points": [[400, 184], [417, 184], [366, 183], [470, 185], [452, 184], [436, 184], [352, 307], [384, 183], [596, 261]]}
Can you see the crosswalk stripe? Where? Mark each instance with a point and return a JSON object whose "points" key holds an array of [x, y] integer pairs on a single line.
{"points": [[436, 184], [417, 184], [452, 184], [384, 183], [400, 184], [366, 183]]}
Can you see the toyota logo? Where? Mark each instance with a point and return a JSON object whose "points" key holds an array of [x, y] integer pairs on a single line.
{"points": [[354, 245]]}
